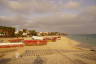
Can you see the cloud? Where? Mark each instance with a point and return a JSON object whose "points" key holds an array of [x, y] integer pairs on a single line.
{"points": [[3, 3], [32, 6], [54, 19], [72, 4], [69, 23], [60, 22], [86, 20], [88, 14], [41, 6], [12, 21], [53, 22]]}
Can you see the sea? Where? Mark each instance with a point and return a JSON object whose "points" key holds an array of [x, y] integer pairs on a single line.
{"points": [[89, 39]]}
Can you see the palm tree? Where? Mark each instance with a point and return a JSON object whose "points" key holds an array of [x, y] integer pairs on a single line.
{"points": [[8, 31], [20, 33], [24, 30], [32, 33]]}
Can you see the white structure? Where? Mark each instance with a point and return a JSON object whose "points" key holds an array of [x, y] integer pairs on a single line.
{"points": [[24, 34], [8, 45], [2, 44], [37, 38]]}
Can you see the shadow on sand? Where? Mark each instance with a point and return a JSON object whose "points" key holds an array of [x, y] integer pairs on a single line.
{"points": [[39, 60], [5, 61]]}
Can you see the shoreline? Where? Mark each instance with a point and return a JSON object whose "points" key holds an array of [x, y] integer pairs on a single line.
{"points": [[61, 50], [86, 45], [82, 45], [65, 41]]}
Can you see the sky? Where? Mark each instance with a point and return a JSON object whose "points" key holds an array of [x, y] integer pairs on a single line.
{"points": [[68, 16]]}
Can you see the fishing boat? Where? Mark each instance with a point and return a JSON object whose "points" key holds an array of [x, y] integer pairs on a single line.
{"points": [[35, 42], [11, 45]]}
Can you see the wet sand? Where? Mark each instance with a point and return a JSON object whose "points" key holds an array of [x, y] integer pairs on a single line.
{"points": [[64, 51]]}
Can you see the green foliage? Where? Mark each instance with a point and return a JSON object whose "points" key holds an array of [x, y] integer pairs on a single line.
{"points": [[8, 31], [24, 30], [32, 33], [20, 33]]}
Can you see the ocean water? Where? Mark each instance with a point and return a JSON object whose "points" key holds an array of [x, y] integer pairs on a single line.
{"points": [[85, 38]]}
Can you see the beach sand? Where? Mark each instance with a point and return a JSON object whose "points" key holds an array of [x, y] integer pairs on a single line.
{"points": [[64, 51]]}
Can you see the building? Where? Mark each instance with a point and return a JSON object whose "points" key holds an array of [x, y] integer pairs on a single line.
{"points": [[7, 31]]}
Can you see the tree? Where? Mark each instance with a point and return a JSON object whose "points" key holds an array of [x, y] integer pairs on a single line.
{"points": [[20, 33], [32, 33], [8, 31], [24, 30]]}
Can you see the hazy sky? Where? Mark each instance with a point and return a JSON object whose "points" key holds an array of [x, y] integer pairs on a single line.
{"points": [[69, 16]]}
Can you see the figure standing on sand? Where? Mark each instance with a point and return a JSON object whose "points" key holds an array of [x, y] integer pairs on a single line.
{"points": [[17, 55]]}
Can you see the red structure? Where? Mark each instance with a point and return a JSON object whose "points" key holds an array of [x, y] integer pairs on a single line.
{"points": [[51, 39], [15, 40], [10, 45], [35, 42]]}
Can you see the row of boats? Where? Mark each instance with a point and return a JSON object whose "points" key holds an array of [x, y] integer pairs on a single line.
{"points": [[35, 40]]}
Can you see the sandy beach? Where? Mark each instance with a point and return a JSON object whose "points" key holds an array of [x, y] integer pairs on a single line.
{"points": [[64, 51]]}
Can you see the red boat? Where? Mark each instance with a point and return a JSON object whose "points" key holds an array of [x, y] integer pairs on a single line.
{"points": [[15, 40], [54, 39], [10, 45], [35, 42], [50, 39], [59, 37]]}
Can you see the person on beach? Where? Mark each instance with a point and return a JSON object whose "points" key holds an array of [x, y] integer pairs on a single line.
{"points": [[17, 55]]}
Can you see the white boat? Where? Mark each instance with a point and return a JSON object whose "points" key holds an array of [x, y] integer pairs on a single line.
{"points": [[9, 45], [37, 38]]}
